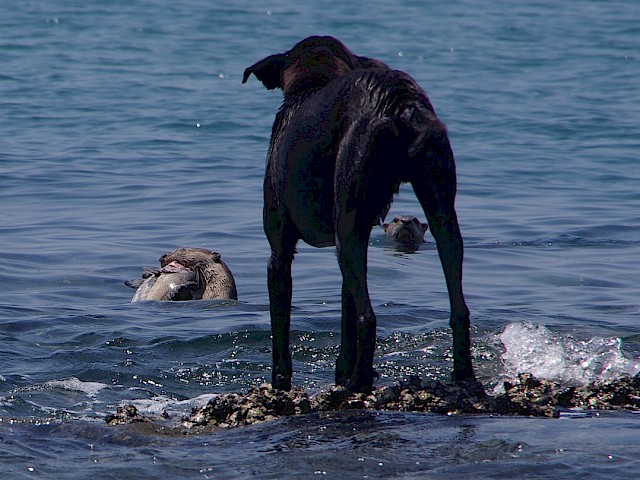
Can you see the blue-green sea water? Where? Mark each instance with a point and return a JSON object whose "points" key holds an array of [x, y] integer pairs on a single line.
{"points": [[125, 132]]}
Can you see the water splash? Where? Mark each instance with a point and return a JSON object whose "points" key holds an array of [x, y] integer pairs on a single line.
{"points": [[547, 355]]}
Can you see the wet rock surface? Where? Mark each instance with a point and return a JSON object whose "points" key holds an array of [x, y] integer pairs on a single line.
{"points": [[525, 395]]}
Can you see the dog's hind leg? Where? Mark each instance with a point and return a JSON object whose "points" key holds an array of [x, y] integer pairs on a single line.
{"points": [[354, 368], [363, 191], [433, 179]]}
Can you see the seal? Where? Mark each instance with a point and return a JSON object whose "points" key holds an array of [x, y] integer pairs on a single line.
{"points": [[186, 274], [407, 231]]}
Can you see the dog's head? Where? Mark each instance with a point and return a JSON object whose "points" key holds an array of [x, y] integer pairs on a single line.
{"points": [[311, 64]]}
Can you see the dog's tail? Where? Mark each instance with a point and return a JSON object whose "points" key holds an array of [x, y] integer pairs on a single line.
{"points": [[402, 105], [428, 133]]}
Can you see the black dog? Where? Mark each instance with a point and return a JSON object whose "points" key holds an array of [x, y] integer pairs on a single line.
{"points": [[349, 131]]}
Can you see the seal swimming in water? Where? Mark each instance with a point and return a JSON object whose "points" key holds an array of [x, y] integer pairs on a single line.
{"points": [[186, 274], [350, 130], [407, 231]]}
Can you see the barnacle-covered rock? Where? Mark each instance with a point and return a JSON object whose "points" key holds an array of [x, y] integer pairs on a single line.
{"points": [[259, 404], [526, 395], [126, 414]]}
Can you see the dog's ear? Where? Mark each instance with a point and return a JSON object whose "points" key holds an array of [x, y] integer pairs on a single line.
{"points": [[425, 227], [267, 70], [312, 63]]}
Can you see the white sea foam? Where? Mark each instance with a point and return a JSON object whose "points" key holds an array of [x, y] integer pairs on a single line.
{"points": [[156, 406], [75, 384], [536, 349]]}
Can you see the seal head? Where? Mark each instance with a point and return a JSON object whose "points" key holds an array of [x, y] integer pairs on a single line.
{"points": [[186, 274]]}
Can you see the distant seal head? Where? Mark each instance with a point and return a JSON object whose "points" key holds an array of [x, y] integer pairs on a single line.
{"points": [[407, 231], [186, 274]]}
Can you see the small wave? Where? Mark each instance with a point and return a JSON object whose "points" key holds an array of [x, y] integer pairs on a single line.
{"points": [[547, 355], [583, 240]]}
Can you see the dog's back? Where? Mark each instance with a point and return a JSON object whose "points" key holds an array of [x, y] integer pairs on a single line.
{"points": [[380, 114]]}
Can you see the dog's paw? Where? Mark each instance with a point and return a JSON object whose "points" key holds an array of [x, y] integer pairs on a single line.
{"points": [[281, 382]]}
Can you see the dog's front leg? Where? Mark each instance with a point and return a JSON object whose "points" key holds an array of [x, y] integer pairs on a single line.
{"points": [[282, 239], [280, 289]]}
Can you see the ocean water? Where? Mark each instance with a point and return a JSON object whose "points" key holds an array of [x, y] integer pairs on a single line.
{"points": [[126, 132]]}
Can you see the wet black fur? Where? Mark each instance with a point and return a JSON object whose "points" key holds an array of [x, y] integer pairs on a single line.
{"points": [[349, 131]]}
